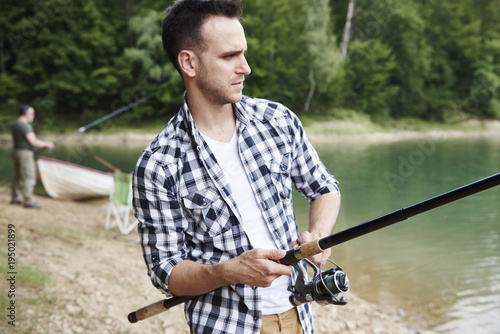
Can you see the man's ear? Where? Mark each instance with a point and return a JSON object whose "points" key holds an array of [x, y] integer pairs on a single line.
{"points": [[188, 62]]}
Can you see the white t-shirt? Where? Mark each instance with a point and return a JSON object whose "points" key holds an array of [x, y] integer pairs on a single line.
{"points": [[275, 299]]}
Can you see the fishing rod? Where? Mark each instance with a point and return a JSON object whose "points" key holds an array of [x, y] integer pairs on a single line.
{"points": [[100, 120], [325, 286]]}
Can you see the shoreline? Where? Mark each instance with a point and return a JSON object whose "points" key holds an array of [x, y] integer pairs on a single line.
{"points": [[335, 132], [317, 132]]}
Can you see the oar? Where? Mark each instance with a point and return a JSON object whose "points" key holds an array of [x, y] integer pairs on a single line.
{"points": [[97, 121], [106, 163], [317, 246]]}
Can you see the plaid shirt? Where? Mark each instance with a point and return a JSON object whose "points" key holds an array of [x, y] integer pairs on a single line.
{"points": [[187, 212]]}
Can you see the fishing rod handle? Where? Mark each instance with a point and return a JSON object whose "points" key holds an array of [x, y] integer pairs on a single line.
{"points": [[156, 308], [147, 311], [306, 250]]}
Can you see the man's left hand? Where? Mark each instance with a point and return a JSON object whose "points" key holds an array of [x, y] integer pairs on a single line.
{"points": [[307, 236]]}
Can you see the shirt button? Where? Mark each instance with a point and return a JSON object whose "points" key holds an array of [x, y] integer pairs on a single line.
{"points": [[283, 167], [256, 318], [323, 177], [204, 203], [254, 287]]}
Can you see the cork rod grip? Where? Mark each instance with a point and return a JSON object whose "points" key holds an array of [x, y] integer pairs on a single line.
{"points": [[310, 248], [147, 311]]}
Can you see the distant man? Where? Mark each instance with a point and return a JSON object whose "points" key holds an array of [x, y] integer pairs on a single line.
{"points": [[25, 141]]}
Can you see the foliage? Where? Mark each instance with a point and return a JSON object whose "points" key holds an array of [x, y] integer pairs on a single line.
{"points": [[407, 58], [325, 57], [485, 87], [370, 67], [147, 62], [276, 51]]}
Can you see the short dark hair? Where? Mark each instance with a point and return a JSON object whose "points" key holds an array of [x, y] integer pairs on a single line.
{"points": [[23, 109], [183, 22]]}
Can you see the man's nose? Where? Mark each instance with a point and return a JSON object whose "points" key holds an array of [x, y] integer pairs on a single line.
{"points": [[244, 68]]}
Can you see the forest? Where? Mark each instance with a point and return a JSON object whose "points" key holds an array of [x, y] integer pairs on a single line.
{"points": [[426, 59]]}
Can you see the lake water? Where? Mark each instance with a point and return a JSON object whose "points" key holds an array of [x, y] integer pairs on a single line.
{"points": [[438, 271]]}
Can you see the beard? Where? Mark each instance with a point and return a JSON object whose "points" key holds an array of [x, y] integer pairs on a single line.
{"points": [[215, 90]]}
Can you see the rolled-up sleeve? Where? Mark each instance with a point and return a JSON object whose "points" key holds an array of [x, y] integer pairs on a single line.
{"points": [[161, 222], [310, 176]]}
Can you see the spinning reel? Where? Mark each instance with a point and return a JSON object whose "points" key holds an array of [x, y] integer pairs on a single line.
{"points": [[323, 288]]}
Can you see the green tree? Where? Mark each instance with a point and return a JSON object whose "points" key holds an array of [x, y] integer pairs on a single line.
{"points": [[404, 33], [150, 65], [325, 57], [455, 47], [484, 96], [369, 69], [277, 51], [67, 53]]}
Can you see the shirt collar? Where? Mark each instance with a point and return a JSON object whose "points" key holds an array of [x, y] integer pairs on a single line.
{"points": [[189, 124], [241, 115]]}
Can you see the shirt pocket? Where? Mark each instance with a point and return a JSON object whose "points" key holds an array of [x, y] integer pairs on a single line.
{"points": [[208, 211], [280, 169]]}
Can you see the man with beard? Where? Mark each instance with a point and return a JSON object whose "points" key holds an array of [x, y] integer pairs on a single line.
{"points": [[213, 192]]}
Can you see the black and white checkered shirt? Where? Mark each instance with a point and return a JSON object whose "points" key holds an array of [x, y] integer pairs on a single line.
{"points": [[186, 209]]}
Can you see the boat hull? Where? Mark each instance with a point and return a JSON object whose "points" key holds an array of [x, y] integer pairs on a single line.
{"points": [[65, 180]]}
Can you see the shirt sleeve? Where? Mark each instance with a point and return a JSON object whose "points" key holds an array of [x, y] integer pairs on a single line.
{"points": [[162, 224], [26, 129], [310, 176]]}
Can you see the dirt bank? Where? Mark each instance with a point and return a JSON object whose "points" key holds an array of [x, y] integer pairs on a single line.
{"points": [[73, 276]]}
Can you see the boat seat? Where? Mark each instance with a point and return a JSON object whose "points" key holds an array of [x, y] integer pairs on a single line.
{"points": [[120, 204]]}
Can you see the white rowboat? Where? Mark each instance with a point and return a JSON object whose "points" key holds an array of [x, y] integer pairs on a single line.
{"points": [[66, 180]]}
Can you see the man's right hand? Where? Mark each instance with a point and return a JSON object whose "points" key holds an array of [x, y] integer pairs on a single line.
{"points": [[257, 267], [50, 145]]}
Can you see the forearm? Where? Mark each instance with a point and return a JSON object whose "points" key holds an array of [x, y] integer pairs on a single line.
{"points": [[38, 143], [257, 267], [323, 214], [185, 278], [42, 144]]}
